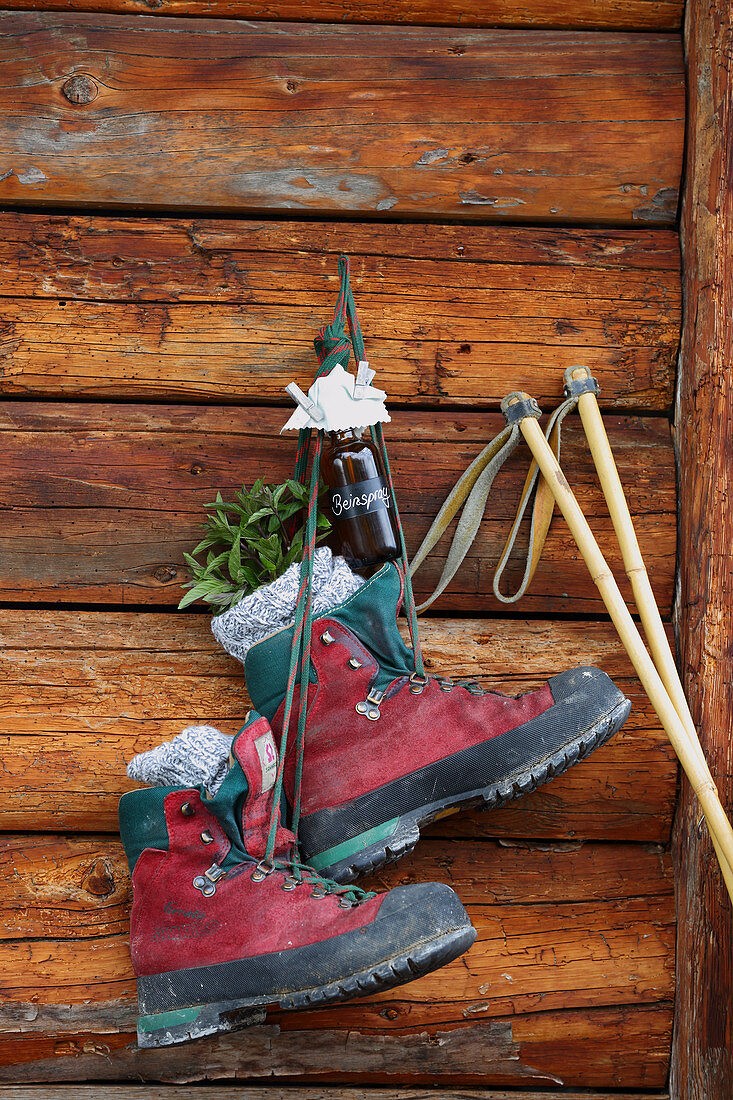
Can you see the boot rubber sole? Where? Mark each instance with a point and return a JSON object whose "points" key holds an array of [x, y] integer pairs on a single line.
{"points": [[389, 841], [196, 1021], [183, 1016]]}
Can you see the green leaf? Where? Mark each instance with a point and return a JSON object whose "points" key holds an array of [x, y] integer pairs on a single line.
{"points": [[235, 558], [199, 591], [205, 543], [251, 577], [249, 541]]}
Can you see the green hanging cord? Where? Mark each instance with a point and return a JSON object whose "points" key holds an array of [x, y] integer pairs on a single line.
{"points": [[377, 435], [296, 673], [332, 346], [305, 655], [279, 777], [300, 672]]}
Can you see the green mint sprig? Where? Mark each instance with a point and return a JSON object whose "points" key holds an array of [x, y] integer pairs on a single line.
{"points": [[249, 542]]}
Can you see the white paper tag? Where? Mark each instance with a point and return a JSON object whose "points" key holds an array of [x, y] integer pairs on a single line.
{"points": [[267, 753]]}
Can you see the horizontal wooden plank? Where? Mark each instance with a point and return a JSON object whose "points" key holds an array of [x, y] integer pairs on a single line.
{"points": [[269, 1092], [638, 15], [68, 887], [551, 937], [202, 115], [625, 1047], [105, 499], [227, 310], [84, 691]]}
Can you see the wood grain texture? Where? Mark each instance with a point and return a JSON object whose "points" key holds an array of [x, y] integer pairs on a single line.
{"points": [[703, 1052], [202, 115], [172, 1092], [83, 692], [595, 1048], [106, 499], [637, 15], [269, 1092], [226, 310], [606, 941]]}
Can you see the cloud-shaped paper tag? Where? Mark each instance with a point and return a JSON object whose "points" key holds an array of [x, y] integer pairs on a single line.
{"points": [[340, 408]]}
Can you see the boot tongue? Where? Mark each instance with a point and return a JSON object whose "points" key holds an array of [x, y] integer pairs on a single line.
{"points": [[255, 751], [371, 614]]}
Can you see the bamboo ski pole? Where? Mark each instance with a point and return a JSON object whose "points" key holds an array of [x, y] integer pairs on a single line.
{"points": [[618, 508], [603, 578], [600, 448]]}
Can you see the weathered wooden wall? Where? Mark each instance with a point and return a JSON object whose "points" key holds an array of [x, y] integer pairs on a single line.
{"points": [[703, 1052], [171, 1092], [652, 15], [266, 117], [223, 311], [142, 360], [107, 497]]}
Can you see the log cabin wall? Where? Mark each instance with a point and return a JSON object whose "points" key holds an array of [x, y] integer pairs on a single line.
{"points": [[176, 190]]}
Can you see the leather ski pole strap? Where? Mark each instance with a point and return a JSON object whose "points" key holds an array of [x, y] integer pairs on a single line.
{"points": [[542, 509], [471, 492]]}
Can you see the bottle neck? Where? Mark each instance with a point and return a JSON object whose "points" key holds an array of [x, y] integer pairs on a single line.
{"points": [[347, 435]]}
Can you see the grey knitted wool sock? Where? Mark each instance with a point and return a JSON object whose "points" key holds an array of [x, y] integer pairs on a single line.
{"points": [[272, 607], [198, 756]]}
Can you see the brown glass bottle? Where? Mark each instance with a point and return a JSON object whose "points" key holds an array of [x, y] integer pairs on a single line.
{"points": [[359, 499]]}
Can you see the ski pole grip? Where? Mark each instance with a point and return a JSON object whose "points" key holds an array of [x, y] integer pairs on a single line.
{"points": [[579, 380], [516, 406]]}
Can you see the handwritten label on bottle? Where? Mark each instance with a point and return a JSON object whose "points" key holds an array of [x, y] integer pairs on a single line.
{"points": [[360, 499]]}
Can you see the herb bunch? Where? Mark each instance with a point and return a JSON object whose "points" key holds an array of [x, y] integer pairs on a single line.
{"points": [[249, 542]]}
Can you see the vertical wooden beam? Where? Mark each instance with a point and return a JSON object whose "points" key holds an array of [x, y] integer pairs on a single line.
{"points": [[702, 1061]]}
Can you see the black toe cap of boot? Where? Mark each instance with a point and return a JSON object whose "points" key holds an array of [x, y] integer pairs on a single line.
{"points": [[589, 694]]}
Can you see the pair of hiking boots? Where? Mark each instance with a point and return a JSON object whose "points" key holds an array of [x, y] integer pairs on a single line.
{"points": [[219, 932]]}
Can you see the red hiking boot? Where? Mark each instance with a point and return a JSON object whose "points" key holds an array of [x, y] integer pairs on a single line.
{"points": [[386, 751], [218, 933]]}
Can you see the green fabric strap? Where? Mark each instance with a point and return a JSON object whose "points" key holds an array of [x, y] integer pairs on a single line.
{"points": [[471, 492], [332, 345]]}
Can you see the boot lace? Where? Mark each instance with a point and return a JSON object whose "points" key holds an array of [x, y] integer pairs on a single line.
{"points": [[333, 346], [300, 874]]}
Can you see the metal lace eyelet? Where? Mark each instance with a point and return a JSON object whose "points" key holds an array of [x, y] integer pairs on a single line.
{"points": [[446, 685], [206, 837], [417, 684], [327, 638], [262, 870], [187, 809], [289, 884], [318, 892], [370, 706], [206, 888], [344, 904], [206, 883], [353, 663]]}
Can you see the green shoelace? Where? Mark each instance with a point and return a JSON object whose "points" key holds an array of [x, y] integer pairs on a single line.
{"points": [[333, 345]]}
